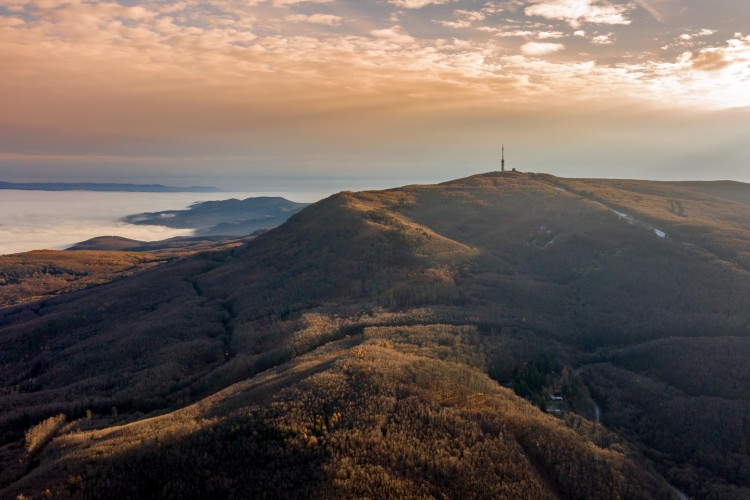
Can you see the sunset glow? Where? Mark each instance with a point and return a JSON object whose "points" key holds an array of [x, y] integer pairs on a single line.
{"points": [[335, 87]]}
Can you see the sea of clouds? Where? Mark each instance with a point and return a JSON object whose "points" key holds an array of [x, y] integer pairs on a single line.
{"points": [[35, 220]]}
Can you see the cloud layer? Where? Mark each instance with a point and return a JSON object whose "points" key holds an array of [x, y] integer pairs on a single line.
{"points": [[577, 12], [238, 81], [32, 220]]}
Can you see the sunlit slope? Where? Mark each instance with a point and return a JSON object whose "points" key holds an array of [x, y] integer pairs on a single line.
{"points": [[472, 276], [43, 273], [359, 417]]}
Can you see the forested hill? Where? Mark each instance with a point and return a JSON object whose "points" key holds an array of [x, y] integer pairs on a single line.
{"points": [[224, 217], [364, 347]]}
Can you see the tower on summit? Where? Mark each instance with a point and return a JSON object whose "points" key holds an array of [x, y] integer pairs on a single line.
{"points": [[502, 161]]}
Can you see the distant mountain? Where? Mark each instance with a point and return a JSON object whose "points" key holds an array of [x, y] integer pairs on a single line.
{"points": [[226, 217], [107, 243], [506, 335], [93, 186], [179, 243]]}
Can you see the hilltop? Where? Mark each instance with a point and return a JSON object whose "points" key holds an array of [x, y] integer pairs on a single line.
{"points": [[365, 348], [178, 244]]}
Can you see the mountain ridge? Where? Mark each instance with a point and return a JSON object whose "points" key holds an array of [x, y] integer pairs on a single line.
{"points": [[418, 293], [224, 217]]}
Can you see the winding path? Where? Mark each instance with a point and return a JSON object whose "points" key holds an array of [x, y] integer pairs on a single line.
{"points": [[679, 494], [597, 412]]}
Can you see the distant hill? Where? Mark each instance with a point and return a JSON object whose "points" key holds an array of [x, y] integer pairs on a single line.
{"points": [[226, 217], [505, 335], [179, 243], [93, 186]]}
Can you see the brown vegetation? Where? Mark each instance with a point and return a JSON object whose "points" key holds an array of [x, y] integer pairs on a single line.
{"points": [[40, 434], [43, 273], [352, 419], [346, 353]]}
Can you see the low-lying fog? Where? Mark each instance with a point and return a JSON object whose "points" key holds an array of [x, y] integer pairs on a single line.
{"points": [[34, 220]]}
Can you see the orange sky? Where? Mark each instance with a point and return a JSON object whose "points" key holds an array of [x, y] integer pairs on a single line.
{"points": [[238, 91]]}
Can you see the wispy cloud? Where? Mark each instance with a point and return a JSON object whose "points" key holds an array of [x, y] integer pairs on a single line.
{"points": [[417, 4], [576, 12], [325, 19], [394, 34], [540, 49], [283, 3], [607, 39], [699, 34], [464, 18]]}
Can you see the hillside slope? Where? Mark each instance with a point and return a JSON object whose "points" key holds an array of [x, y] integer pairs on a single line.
{"points": [[38, 274], [407, 298], [359, 417]]}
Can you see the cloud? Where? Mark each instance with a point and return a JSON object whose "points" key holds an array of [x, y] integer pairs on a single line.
{"points": [[393, 34], [11, 21], [542, 35], [148, 65], [607, 39], [471, 15], [504, 33], [735, 56], [325, 19], [712, 77], [464, 18], [701, 33], [458, 24], [576, 12], [709, 60], [417, 4], [540, 49], [233, 80], [57, 220], [284, 3]]}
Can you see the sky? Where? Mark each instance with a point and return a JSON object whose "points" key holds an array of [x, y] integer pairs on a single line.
{"points": [[271, 94]]}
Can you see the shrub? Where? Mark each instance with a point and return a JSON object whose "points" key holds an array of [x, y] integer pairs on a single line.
{"points": [[40, 434]]}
